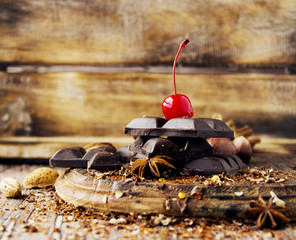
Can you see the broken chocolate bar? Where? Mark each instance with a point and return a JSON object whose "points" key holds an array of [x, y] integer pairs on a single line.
{"points": [[104, 161], [102, 158], [215, 164], [89, 154], [73, 152], [179, 127], [68, 157]]}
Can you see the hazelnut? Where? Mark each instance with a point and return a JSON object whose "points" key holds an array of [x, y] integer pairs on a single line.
{"points": [[222, 145], [10, 187], [244, 148]]}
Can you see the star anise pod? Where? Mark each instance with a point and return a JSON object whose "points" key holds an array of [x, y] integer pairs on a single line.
{"points": [[140, 166], [266, 213]]}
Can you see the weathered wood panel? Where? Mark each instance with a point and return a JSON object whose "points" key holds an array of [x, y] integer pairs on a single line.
{"points": [[55, 104], [124, 32]]}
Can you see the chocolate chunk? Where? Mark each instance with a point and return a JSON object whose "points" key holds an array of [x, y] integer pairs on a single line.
{"points": [[67, 153], [104, 161], [214, 165], [102, 158], [159, 146], [68, 157], [74, 162], [179, 127], [192, 147], [233, 160], [206, 166], [146, 122], [177, 148], [89, 154], [145, 147]]}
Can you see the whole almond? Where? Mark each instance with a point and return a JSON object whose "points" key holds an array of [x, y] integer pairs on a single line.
{"points": [[41, 177], [10, 187]]}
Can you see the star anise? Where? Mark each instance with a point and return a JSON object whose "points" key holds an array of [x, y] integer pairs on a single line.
{"points": [[266, 213], [140, 166]]}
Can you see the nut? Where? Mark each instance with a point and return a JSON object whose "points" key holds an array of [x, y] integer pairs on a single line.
{"points": [[222, 145], [244, 148], [41, 177], [108, 146], [10, 187]]}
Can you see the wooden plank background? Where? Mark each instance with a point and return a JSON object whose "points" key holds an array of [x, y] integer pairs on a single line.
{"points": [[82, 104], [136, 32], [84, 69]]}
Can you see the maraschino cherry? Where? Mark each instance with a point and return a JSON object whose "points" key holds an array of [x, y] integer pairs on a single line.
{"points": [[177, 105]]}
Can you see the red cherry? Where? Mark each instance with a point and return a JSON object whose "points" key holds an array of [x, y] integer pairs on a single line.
{"points": [[177, 106]]}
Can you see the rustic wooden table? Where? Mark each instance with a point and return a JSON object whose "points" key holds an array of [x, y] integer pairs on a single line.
{"points": [[41, 214], [58, 81]]}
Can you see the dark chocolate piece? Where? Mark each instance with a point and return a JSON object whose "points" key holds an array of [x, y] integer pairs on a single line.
{"points": [[179, 127], [177, 148], [102, 158], [89, 154], [68, 157], [146, 122], [104, 161], [233, 160], [73, 162], [155, 146], [192, 147], [204, 166], [160, 146], [67, 153], [215, 164]]}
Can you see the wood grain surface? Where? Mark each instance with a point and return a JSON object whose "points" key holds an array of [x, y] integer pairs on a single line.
{"points": [[37, 207], [18, 215], [125, 32], [99, 104]]}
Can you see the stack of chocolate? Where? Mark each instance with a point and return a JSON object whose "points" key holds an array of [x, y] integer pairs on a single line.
{"points": [[183, 140]]}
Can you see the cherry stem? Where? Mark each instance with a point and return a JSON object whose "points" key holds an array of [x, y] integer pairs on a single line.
{"points": [[182, 45]]}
